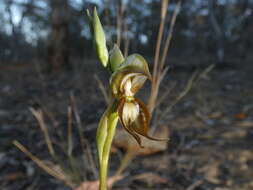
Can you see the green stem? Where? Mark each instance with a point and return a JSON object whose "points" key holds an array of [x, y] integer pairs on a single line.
{"points": [[105, 134], [106, 153]]}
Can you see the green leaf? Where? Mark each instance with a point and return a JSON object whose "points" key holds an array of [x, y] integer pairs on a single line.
{"points": [[116, 58], [109, 118]]}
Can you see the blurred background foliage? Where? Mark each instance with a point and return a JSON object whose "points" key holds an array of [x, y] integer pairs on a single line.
{"points": [[57, 30]]}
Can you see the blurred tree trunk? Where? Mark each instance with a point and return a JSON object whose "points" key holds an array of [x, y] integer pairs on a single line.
{"points": [[58, 49], [14, 31], [219, 33]]}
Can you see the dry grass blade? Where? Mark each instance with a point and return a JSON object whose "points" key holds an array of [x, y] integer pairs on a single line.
{"points": [[39, 116], [42, 165], [206, 71], [84, 143], [102, 89]]}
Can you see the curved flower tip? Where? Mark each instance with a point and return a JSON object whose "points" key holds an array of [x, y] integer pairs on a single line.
{"points": [[132, 73], [135, 118]]}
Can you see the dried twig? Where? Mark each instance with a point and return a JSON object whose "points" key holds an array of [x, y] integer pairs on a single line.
{"points": [[102, 89], [42, 165], [206, 71], [39, 116], [84, 143], [181, 95], [159, 70], [194, 79]]}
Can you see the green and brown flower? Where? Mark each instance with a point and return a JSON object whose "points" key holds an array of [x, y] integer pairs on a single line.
{"points": [[125, 82]]}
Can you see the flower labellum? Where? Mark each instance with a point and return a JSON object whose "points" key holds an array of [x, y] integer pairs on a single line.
{"points": [[131, 111], [125, 83]]}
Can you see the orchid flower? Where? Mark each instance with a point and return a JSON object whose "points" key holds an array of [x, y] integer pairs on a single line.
{"points": [[128, 76], [125, 82]]}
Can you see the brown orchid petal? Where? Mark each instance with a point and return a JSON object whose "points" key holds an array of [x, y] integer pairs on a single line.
{"points": [[141, 124], [137, 83], [134, 68], [129, 130], [119, 78]]}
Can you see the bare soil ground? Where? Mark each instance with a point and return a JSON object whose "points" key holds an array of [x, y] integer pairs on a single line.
{"points": [[211, 129]]}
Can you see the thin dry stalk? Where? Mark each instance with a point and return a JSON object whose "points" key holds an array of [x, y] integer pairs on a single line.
{"points": [[69, 133], [84, 143], [159, 70], [128, 157], [42, 165], [126, 38], [154, 87], [164, 6], [102, 89], [120, 12], [169, 37], [39, 116]]}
